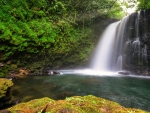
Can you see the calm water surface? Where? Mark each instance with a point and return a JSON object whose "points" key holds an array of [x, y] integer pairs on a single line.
{"points": [[128, 91]]}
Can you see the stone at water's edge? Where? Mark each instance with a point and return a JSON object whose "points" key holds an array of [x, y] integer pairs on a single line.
{"points": [[5, 92], [4, 85], [75, 104], [124, 72], [50, 72]]}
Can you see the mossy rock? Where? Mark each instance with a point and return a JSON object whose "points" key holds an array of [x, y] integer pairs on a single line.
{"points": [[76, 104], [4, 85], [32, 106]]}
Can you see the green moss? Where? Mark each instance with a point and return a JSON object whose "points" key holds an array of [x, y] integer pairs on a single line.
{"points": [[76, 104], [4, 85], [46, 28], [31, 106]]}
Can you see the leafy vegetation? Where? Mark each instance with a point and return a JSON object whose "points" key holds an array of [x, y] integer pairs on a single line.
{"points": [[51, 29], [143, 4]]}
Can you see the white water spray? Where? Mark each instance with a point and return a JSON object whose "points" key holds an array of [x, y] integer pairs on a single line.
{"points": [[102, 58], [108, 55]]}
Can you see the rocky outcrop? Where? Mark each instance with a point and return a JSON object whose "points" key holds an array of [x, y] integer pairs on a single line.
{"points": [[5, 92], [137, 43], [76, 104]]}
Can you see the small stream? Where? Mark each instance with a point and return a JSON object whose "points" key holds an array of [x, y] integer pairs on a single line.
{"points": [[129, 91]]}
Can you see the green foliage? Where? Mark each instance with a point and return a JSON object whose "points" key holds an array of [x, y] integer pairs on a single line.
{"points": [[6, 68], [116, 12], [143, 4], [2, 75], [26, 26], [58, 29]]}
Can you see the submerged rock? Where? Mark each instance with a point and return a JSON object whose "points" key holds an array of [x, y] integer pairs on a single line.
{"points": [[75, 104]]}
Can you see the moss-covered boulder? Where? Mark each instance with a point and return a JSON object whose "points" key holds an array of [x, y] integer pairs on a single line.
{"points": [[5, 84], [32, 106], [76, 104], [5, 91]]}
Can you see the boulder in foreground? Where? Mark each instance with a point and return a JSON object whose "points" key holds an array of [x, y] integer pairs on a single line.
{"points": [[75, 104]]}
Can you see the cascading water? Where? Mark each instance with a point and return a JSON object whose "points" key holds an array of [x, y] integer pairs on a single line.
{"points": [[119, 63], [136, 49], [102, 58], [124, 45], [136, 42], [137, 25], [144, 54], [137, 52], [108, 54], [119, 45]]}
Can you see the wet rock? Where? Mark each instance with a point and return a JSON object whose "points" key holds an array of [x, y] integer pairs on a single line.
{"points": [[56, 72], [53, 72], [124, 72], [17, 101], [44, 72], [50, 72], [146, 72], [137, 54]]}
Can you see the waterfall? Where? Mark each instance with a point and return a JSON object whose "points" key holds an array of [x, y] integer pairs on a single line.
{"points": [[109, 52], [119, 63], [144, 54], [137, 25], [136, 42], [124, 45], [119, 45], [102, 57]]}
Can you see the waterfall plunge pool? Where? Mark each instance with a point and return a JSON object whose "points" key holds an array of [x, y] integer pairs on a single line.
{"points": [[129, 91]]}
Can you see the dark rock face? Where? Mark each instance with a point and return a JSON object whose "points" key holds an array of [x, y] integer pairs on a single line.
{"points": [[137, 43], [7, 100]]}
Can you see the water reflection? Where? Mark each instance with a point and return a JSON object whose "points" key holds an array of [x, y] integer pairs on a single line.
{"points": [[128, 91]]}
